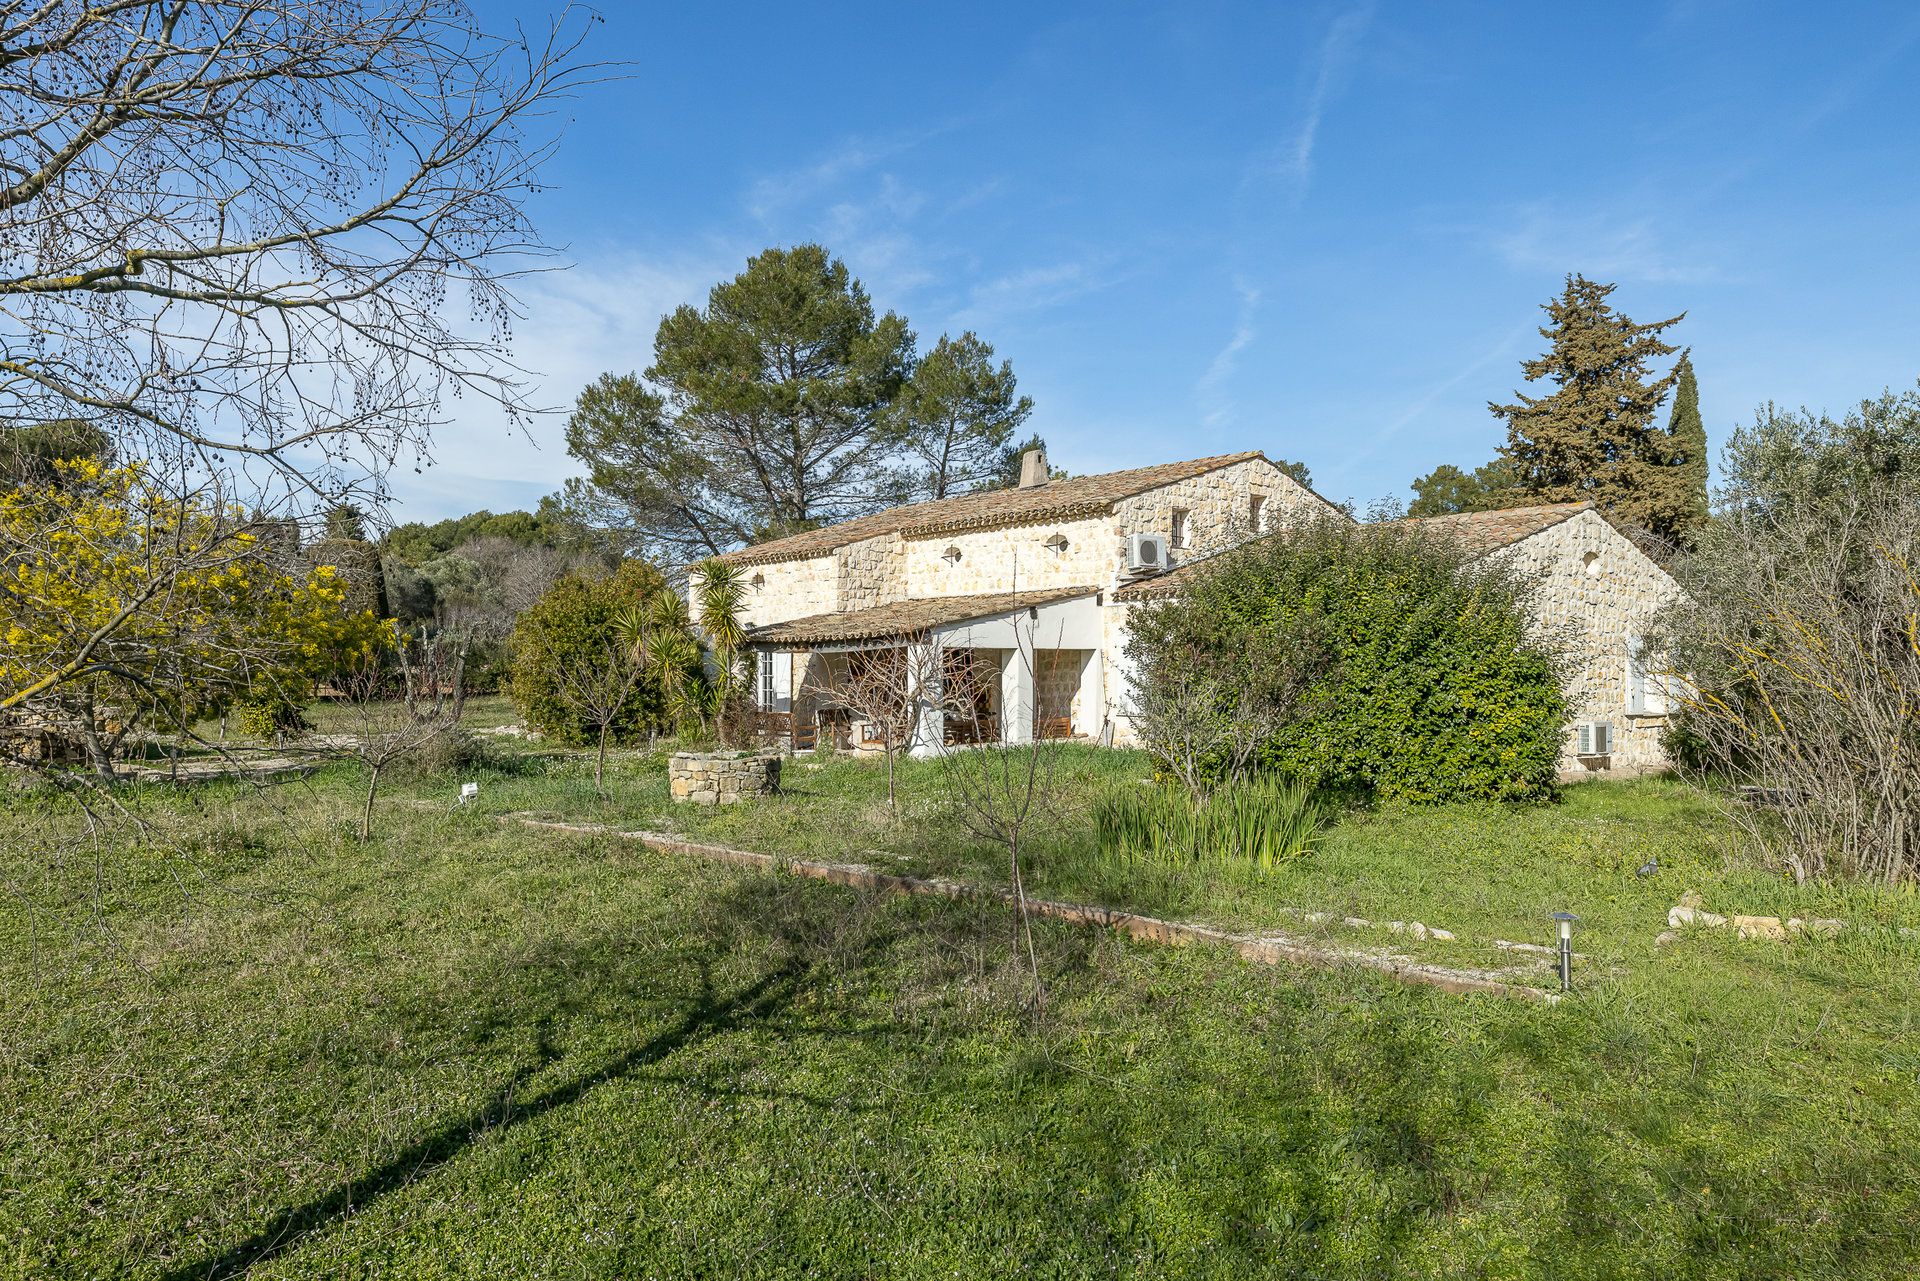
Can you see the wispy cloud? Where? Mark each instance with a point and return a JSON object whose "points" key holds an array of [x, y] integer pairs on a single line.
{"points": [[1210, 389], [575, 325], [1033, 289], [1292, 160], [1602, 244], [772, 195], [1427, 400]]}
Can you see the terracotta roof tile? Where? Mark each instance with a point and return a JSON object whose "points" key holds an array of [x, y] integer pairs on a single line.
{"points": [[1171, 583], [1482, 532], [1056, 500], [903, 618]]}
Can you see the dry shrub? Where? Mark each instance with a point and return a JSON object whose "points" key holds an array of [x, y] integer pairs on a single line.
{"points": [[1801, 639]]}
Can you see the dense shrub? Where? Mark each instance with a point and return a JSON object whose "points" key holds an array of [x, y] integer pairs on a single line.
{"points": [[1374, 660], [578, 617]]}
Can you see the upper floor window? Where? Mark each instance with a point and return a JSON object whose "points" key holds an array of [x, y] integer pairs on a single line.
{"points": [[1181, 520], [1257, 514]]}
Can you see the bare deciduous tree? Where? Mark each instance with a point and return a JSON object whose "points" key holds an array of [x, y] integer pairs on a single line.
{"points": [[233, 230], [1000, 790], [1799, 641], [1202, 728], [595, 682], [892, 691], [397, 709]]}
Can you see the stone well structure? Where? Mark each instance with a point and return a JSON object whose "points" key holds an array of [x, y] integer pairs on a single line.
{"points": [[721, 778]]}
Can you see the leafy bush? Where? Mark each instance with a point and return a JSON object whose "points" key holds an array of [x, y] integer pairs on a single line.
{"points": [[1373, 660], [270, 716], [586, 614], [455, 750], [1261, 824]]}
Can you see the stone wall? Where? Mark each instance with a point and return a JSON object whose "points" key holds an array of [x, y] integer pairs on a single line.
{"points": [[1056, 683], [1089, 551], [1597, 592], [870, 572], [1219, 506], [721, 778], [784, 590], [1001, 559]]}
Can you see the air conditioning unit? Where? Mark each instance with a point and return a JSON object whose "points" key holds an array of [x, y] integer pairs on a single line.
{"points": [[1146, 553], [1593, 738]]}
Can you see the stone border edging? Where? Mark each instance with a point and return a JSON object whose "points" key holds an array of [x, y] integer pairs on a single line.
{"points": [[1266, 949]]}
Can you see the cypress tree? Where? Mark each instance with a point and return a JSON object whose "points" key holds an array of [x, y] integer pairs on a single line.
{"points": [[1687, 454], [1594, 437]]}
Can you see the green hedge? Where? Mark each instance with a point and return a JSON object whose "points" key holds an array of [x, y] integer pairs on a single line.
{"points": [[1410, 671]]}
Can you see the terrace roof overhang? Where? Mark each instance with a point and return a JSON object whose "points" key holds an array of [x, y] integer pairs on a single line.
{"points": [[959, 619]]}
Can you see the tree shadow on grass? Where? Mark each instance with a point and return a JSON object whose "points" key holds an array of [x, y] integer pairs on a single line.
{"points": [[709, 1017]]}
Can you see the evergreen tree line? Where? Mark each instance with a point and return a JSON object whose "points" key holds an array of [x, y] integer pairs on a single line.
{"points": [[1595, 436]]}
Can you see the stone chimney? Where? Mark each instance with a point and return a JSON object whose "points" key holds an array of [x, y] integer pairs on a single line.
{"points": [[1033, 469]]}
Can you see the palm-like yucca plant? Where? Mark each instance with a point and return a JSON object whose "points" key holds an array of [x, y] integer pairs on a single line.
{"points": [[720, 591], [660, 634], [676, 659]]}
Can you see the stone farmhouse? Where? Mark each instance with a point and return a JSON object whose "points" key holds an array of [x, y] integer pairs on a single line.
{"points": [[1599, 593], [1022, 596]]}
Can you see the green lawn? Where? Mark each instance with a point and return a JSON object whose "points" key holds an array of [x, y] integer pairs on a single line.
{"points": [[254, 1046]]}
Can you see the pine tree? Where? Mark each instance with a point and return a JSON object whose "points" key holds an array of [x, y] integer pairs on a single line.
{"points": [[1687, 454], [1446, 490], [765, 412], [1594, 437], [955, 416]]}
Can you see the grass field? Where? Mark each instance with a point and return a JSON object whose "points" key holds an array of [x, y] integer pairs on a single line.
{"points": [[256, 1047]]}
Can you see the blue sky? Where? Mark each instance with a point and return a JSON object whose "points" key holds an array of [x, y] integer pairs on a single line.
{"points": [[1321, 230]]}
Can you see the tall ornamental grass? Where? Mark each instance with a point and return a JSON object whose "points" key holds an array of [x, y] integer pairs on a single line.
{"points": [[1261, 824]]}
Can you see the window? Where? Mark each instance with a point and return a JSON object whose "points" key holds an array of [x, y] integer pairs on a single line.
{"points": [[1591, 563], [1646, 691], [1257, 514], [766, 681], [1179, 538]]}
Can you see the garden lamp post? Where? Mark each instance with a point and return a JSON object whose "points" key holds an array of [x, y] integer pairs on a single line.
{"points": [[1565, 921]]}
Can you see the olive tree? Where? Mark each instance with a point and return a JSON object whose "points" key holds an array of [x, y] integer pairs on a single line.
{"points": [[1799, 638]]}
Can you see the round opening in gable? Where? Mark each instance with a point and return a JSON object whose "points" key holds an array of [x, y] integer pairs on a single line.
{"points": [[1591, 563]]}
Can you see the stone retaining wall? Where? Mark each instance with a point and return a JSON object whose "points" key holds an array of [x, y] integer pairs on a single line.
{"points": [[721, 778]]}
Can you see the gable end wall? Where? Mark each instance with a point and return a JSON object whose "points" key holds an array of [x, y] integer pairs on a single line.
{"points": [[1593, 616]]}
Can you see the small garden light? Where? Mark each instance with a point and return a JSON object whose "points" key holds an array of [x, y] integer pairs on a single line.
{"points": [[1565, 921], [468, 792]]}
